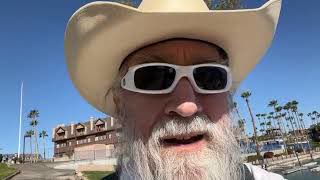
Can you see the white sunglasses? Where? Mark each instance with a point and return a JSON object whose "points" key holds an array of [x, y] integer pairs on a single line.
{"points": [[162, 78]]}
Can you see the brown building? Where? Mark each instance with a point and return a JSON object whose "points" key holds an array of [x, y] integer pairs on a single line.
{"points": [[91, 137]]}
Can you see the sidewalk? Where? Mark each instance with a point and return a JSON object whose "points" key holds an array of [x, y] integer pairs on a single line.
{"points": [[281, 163], [37, 171]]}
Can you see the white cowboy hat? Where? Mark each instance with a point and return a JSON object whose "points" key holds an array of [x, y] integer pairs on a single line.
{"points": [[100, 35]]}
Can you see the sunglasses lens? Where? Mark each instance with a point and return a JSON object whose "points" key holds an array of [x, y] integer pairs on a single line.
{"points": [[210, 78], [154, 77]]}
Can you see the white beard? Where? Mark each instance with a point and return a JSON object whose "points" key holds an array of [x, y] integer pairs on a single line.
{"points": [[219, 160]]}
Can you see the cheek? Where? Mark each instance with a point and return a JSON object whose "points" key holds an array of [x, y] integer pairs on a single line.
{"points": [[214, 105], [142, 111]]}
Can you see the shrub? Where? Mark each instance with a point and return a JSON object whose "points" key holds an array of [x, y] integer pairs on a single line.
{"points": [[268, 155], [290, 151], [299, 150], [278, 155], [253, 158]]}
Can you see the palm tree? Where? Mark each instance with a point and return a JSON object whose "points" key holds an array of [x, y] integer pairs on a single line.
{"points": [[262, 125], [312, 120], [33, 115], [277, 110], [288, 107], [307, 136], [235, 108], [43, 134], [283, 116], [30, 133], [265, 121], [259, 123], [301, 119], [315, 114], [258, 116], [245, 95], [294, 109]]}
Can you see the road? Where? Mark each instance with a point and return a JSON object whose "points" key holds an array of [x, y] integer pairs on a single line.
{"points": [[37, 171]]}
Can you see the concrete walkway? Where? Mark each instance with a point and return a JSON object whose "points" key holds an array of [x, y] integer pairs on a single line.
{"points": [[37, 171]]}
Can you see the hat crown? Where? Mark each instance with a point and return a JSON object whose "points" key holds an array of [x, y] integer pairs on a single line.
{"points": [[173, 6]]}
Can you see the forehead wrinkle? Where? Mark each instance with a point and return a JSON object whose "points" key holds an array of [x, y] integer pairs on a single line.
{"points": [[145, 57], [178, 55]]}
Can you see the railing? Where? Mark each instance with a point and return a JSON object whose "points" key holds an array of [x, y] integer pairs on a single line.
{"points": [[284, 157], [57, 137], [94, 154]]}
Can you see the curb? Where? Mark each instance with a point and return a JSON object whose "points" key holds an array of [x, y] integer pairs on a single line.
{"points": [[12, 175]]}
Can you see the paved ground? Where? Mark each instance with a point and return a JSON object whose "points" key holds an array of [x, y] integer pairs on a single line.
{"points": [[37, 171]]}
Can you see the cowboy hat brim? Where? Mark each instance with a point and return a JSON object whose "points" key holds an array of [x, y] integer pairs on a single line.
{"points": [[100, 35]]}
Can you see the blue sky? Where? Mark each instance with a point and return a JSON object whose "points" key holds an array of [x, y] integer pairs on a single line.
{"points": [[31, 50]]}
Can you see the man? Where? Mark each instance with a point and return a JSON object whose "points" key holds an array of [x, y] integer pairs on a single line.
{"points": [[167, 71]]}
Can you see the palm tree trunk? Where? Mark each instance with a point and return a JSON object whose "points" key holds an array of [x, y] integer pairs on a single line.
{"points": [[24, 147], [284, 141], [44, 148], [297, 117], [283, 126], [238, 113], [292, 114], [36, 143], [307, 138], [255, 134], [31, 155], [295, 140]]}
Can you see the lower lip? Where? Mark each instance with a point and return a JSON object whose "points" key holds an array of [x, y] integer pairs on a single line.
{"points": [[196, 146]]}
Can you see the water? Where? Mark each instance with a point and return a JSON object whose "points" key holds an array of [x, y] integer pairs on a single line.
{"points": [[304, 174]]}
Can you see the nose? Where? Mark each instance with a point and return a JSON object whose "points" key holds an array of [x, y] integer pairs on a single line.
{"points": [[183, 100]]}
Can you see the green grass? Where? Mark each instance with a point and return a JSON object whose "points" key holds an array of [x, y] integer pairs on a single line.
{"points": [[95, 175], [315, 144], [5, 170]]}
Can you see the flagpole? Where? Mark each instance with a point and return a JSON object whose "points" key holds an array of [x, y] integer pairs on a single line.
{"points": [[20, 119]]}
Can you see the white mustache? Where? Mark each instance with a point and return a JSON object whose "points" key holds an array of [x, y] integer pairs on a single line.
{"points": [[182, 127]]}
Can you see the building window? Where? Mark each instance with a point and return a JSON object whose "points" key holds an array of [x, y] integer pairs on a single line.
{"points": [[100, 125], [60, 132], [70, 143], [80, 129], [89, 140], [61, 145], [110, 136], [81, 141], [100, 138]]}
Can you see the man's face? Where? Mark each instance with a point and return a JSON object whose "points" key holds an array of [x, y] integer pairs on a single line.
{"points": [[182, 126], [146, 110]]}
